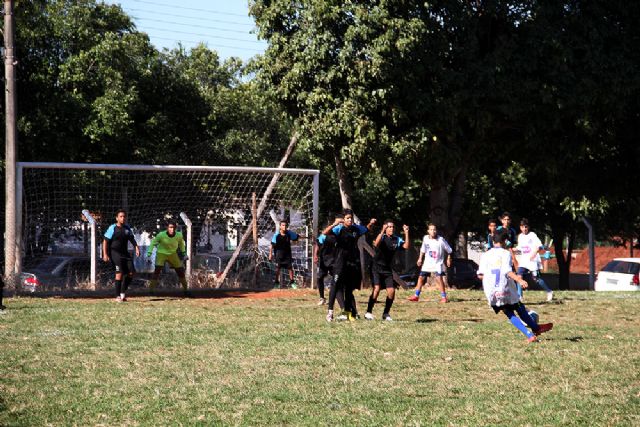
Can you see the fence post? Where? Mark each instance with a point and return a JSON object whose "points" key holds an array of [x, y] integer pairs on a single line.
{"points": [[187, 222], [92, 227]]}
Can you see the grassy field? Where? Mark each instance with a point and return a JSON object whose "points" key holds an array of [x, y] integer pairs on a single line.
{"points": [[252, 361]]}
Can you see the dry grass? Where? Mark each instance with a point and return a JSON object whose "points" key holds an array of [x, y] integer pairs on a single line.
{"points": [[247, 361]]}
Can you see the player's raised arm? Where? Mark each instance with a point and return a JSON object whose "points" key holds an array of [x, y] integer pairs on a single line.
{"points": [[330, 227], [406, 243], [380, 236]]}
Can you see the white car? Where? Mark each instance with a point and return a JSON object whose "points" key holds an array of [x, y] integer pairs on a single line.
{"points": [[620, 274]]}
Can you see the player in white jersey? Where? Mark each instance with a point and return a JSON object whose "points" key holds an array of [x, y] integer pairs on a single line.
{"points": [[433, 252], [502, 294], [529, 261]]}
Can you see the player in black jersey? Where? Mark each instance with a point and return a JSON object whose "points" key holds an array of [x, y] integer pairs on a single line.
{"points": [[280, 250], [386, 245], [115, 248], [325, 251], [346, 265]]}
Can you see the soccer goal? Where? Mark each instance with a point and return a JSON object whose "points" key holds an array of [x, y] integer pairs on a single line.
{"points": [[227, 214]]}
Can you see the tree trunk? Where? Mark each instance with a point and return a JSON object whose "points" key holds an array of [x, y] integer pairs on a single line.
{"points": [[439, 210], [445, 208], [564, 262], [346, 192], [344, 183]]}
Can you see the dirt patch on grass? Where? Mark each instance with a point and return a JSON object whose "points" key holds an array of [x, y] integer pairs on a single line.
{"points": [[255, 294]]}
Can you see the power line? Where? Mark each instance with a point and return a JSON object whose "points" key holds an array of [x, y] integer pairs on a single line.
{"points": [[208, 45], [195, 18], [191, 25], [166, 30], [189, 8]]}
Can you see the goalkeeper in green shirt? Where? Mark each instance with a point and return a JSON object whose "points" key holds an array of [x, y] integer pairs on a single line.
{"points": [[171, 249]]}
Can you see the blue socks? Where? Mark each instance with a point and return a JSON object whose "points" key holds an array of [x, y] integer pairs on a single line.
{"points": [[543, 285], [418, 293], [443, 294], [515, 321], [524, 315]]}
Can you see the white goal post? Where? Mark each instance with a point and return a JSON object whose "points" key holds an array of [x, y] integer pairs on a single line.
{"points": [[61, 207]]}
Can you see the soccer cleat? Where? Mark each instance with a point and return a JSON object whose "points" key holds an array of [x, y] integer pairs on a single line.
{"points": [[351, 317], [369, 316], [276, 285], [414, 298], [549, 295], [322, 301], [386, 317], [329, 317], [444, 300], [545, 327], [532, 339], [342, 317], [293, 285], [120, 299]]}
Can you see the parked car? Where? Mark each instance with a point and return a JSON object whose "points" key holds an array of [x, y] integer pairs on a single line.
{"points": [[56, 272], [463, 273], [620, 274]]}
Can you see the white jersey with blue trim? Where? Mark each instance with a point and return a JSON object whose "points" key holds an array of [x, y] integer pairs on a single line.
{"points": [[529, 244], [434, 250], [495, 265]]}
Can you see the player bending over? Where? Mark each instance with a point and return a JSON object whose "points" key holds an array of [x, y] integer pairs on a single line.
{"points": [[171, 249], [502, 294], [386, 245]]}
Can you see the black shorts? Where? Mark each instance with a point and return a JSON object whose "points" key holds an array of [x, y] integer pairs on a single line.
{"points": [[513, 307], [283, 260], [431, 274], [350, 277], [383, 279], [123, 263], [284, 264], [323, 270]]}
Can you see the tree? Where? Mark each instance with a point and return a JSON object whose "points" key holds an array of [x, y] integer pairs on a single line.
{"points": [[577, 104], [408, 90]]}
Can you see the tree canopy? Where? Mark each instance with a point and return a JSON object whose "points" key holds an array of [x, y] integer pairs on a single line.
{"points": [[445, 111]]}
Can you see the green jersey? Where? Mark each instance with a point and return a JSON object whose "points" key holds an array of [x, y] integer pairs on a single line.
{"points": [[166, 244]]}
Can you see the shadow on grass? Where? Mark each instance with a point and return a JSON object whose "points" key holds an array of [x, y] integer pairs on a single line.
{"points": [[470, 319], [542, 303], [456, 299], [158, 296]]}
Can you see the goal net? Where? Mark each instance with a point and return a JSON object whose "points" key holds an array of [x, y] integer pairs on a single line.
{"points": [[223, 206]]}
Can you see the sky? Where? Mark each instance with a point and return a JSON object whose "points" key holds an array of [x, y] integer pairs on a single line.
{"points": [[223, 25]]}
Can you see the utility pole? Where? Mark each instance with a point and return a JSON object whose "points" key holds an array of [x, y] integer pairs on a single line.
{"points": [[10, 145]]}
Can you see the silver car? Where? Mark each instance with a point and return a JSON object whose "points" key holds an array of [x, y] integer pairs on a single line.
{"points": [[56, 272]]}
